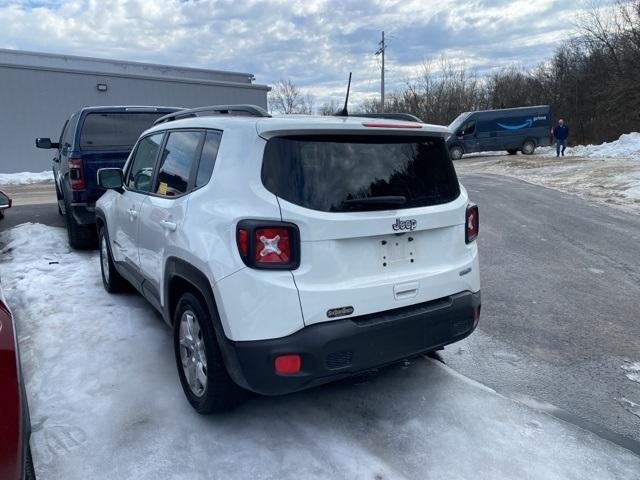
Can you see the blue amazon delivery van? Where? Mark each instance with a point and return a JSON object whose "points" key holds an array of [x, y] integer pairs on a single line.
{"points": [[511, 129]]}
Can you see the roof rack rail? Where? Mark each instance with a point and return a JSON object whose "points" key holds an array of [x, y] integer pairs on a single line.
{"points": [[391, 116], [238, 110]]}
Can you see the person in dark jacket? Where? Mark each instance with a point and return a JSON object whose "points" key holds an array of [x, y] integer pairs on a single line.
{"points": [[561, 133]]}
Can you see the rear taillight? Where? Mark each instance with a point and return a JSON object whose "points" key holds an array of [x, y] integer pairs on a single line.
{"points": [[76, 174], [472, 223], [272, 245], [268, 245], [242, 238]]}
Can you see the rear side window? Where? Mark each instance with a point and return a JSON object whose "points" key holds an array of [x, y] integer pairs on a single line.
{"points": [[141, 170], [208, 157], [177, 160], [114, 130], [333, 173]]}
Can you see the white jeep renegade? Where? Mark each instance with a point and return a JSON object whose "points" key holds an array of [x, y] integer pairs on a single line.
{"points": [[287, 252]]}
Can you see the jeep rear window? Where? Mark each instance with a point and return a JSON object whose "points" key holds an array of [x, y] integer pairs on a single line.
{"points": [[115, 130], [322, 172]]}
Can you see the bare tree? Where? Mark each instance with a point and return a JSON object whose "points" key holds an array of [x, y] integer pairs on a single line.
{"points": [[591, 80], [286, 98], [329, 108]]}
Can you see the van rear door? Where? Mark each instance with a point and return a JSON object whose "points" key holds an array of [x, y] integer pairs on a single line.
{"points": [[381, 220]]}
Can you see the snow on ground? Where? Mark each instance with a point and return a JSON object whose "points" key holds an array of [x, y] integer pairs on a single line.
{"points": [[26, 178], [106, 402], [628, 145], [632, 371], [607, 173]]}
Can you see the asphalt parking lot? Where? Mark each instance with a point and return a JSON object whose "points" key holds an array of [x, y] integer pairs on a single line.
{"points": [[560, 288], [558, 332]]}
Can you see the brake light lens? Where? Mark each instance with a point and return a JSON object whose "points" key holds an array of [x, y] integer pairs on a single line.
{"points": [[288, 364], [243, 242], [76, 174], [272, 245], [472, 223], [268, 245]]}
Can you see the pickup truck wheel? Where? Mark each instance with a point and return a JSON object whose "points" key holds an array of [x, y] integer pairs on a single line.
{"points": [[112, 281], [81, 237], [456, 152], [203, 375]]}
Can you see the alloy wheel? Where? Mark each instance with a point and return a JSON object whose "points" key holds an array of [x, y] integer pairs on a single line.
{"points": [[193, 353]]}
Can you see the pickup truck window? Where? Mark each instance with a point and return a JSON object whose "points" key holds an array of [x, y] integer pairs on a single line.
{"points": [[103, 130]]}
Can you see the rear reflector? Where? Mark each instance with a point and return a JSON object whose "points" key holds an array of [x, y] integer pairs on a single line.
{"points": [[391, 125], [288, 364], [472, 223]]}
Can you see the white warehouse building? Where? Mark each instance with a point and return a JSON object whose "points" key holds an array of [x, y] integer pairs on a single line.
{"points": [[39, 91]]}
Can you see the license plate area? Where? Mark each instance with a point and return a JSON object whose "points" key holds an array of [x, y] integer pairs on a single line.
{"points": [[397, 250]]}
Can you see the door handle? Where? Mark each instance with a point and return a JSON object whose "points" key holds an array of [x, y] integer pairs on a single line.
{"points": [[133, 213], [169, 225]]}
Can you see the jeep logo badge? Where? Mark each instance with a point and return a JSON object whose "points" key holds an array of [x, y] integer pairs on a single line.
{"points": [[404, 224]]}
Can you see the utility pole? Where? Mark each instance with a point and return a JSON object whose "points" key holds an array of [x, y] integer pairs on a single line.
{"points": [[380, 51]]}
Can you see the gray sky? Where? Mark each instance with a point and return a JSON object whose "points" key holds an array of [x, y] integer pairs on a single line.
{"points": [[313, 42]]}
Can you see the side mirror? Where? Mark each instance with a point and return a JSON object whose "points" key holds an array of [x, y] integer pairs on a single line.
{"points": [[5, 201], [46, 143], [111, 179]]}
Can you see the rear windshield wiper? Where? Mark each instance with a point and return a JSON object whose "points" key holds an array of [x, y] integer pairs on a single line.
{"points": [[382, 200]]}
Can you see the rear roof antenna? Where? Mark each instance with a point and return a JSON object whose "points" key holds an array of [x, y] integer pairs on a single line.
{"points": [[344, 112]]}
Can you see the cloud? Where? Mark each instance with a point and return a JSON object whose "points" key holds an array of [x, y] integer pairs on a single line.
{"points": [[314, 42]]}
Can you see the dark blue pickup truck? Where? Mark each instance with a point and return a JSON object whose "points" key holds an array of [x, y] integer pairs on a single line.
{"points": [[93, 138]]}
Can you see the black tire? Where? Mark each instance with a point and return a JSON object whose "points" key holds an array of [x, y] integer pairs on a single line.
{"points": [[220, 393], [512, 151], [456, 152], [81, 237], [112, 281], [528, 147], [29, 471]]}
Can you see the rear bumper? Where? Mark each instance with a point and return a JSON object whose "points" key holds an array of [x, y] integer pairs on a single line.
{"points": [[341, 348], [84, 213]]}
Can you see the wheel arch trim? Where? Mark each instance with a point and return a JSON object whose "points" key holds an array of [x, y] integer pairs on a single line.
{"points": [[177, 268]]}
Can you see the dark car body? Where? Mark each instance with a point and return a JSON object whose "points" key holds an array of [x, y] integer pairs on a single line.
{"points": [[15, 427], [93, 138], [5, 203], [511, 129]]}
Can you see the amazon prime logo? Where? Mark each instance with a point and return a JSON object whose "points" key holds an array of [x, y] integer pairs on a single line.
{"points": [[404, 224]]}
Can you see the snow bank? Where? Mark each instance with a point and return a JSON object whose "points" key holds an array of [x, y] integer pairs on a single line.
{"points": [[106, 402], [628, 145], [26, 178]]}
